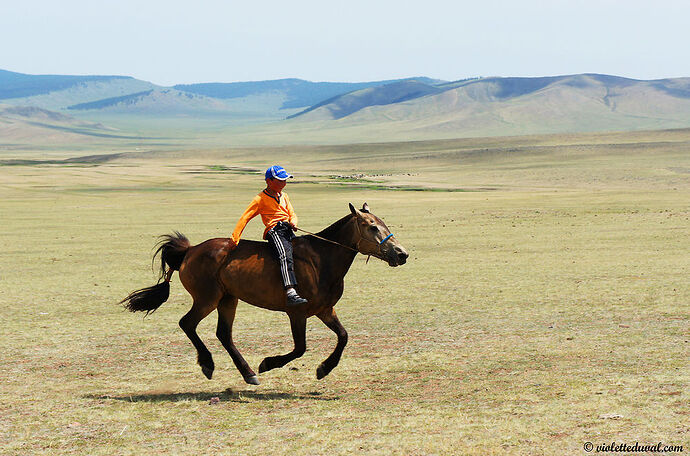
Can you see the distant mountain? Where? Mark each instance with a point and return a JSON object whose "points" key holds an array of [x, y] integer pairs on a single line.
{"points": [[58, 92], [511, 106], [297, 92], [18, 85], [21, 125], [31, 113], [396, 92], [123, 94], [407, 108], [158, 101]]}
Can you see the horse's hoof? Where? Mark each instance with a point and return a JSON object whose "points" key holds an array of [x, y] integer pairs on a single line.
{"points": [[208, 371], [321, 372], [253, 380]]}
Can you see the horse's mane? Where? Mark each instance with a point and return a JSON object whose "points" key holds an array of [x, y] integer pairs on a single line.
{"points": [[330, 231]]}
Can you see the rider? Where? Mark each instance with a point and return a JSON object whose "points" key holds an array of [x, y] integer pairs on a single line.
{"points": [[280, 219]]}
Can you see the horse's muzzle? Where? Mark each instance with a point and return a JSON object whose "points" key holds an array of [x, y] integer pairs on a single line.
{"points": [[397, 256]]}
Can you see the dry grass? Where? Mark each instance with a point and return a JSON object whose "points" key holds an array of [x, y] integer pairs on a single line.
{"points": [[530, 319]]}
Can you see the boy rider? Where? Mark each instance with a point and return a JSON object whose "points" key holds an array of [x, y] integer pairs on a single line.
{"points": [[280, 219]]}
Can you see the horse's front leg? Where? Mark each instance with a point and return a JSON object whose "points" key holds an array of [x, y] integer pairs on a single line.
{"points": [[330, 319], [298, 324], [226, 317]]}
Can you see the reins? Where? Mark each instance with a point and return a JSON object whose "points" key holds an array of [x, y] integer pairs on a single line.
{"points": [[361, 238], [327, 240]]}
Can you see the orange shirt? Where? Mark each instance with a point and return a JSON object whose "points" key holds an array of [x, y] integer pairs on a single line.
{"points": [[272, 211]]}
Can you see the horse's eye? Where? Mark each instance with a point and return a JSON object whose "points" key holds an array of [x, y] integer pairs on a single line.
{"points": [[374, 228]]}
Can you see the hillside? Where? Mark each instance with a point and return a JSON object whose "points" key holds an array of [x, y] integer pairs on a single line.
{"points": [[344, 105], [26, 126], [154, 101], [18, 85], [337, 112], [58, 92], [268, 100], [510, 106], [297, 93]]}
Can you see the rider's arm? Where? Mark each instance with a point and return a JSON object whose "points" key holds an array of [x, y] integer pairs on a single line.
{"points": [[291, 213], [251, 212]]}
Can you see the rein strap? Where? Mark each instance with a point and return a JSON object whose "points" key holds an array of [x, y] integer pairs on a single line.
{"points": [[347, 247], [327, 240]]}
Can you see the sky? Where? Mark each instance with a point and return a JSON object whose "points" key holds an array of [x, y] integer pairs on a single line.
{"points": [[174, 42]]}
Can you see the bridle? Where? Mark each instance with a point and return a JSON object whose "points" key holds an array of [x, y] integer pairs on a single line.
{"points": [[378, 244], [378, 254]]}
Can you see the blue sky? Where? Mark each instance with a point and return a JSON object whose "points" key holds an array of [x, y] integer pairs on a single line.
{"points": [[169, 42]]}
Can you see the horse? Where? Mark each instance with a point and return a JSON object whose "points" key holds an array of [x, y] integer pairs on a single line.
{"points": [[217, 276]]}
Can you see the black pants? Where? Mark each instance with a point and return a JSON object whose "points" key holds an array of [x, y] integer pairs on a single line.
{"points": [[280, 237]]}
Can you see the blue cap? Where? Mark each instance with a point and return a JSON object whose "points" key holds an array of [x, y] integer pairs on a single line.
{"points": [[277, 172]]}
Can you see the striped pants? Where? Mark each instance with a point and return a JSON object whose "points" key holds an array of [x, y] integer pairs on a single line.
{"points": [[280, 238]]}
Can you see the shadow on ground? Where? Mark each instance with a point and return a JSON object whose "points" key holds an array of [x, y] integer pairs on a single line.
{"points": [[228, 395]]}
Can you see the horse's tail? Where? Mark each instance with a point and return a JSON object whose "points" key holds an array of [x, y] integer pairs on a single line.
{"points": [[173, 248]]}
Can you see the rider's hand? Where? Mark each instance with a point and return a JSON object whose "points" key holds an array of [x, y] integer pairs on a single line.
{"points": [[293, 226]]}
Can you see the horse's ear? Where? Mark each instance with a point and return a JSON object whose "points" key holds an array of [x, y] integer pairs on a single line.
{"points": [[355, 211], [365, 207]]}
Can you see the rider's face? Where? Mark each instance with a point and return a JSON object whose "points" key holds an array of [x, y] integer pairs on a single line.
{"points": [[275, 185]]}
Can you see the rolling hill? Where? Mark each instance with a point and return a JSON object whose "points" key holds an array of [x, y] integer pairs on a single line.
{"points": [[298, 93], [272, 100], [327, 112], [153, 101], [58, 92], [18, 85], [510, 106], [396, 92], [28, 125]]}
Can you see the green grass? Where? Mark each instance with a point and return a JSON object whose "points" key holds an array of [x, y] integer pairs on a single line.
{"points": [[530, 319]]}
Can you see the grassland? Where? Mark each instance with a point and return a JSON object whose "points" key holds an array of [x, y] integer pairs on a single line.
{"points": [[544, 306]]}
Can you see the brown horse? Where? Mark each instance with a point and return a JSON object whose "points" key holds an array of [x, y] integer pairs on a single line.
{"points": [[217, 277]]}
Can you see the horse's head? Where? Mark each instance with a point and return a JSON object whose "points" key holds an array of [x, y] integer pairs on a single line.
{"points": [[375, 239]]}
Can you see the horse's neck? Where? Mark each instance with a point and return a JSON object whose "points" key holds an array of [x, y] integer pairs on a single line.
{"points": [[342, 231], [335, 259]]}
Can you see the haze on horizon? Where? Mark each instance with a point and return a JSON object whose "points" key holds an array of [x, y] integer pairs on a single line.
{"points": [[171, 42]]}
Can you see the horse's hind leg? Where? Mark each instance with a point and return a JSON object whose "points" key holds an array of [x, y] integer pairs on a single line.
{"points": [[298, 324], [226, 317], [330, 319], [188, 323]]}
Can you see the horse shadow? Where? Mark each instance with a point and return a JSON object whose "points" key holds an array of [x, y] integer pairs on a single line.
{"points": [[229, 395]]}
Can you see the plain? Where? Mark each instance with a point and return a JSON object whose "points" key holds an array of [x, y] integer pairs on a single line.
{"points": [[545, 303]]}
